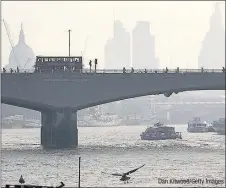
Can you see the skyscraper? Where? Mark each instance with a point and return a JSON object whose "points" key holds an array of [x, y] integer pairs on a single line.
{"points": [[212, 54], [143, 47], [117, 50]]}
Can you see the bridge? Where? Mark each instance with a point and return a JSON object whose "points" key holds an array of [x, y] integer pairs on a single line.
{"points": [[59, 95], [190, 103]]}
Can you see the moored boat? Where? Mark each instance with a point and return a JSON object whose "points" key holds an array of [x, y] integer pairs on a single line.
{"points": [[219, 126], [197, 126], [210, 128]]}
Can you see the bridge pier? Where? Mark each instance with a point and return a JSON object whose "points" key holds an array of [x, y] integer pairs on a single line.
{"points": [[59, 130]]}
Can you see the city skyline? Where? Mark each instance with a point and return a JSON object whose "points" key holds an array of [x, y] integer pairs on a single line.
{"points": [[164, 57], [117, 51], [212, 53], [143, 47]]}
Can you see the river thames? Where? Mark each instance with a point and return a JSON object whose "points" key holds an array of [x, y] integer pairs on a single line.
{"points": [[192, 161]]}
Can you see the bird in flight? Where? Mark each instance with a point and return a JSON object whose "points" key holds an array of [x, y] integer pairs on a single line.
{"points": [[124, 176]]}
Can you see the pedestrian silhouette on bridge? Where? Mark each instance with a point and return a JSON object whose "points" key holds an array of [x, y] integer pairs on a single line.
{"points": [[124, 70], [166, 70], [90, 65], [202, 69]]}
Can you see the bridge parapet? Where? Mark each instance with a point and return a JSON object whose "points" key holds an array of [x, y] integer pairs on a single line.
{"points": [[120, 71]]}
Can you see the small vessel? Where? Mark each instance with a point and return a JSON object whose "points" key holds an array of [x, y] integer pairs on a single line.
{"points": [[33, 186], [160, 132], [22, 185], [197, 126], [219, 126]]}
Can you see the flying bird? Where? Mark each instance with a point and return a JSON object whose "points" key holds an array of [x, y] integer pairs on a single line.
{"points": [[124, 176]]}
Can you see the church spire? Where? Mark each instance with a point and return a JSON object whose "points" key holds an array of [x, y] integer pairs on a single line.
{"points": [[21, 37]]}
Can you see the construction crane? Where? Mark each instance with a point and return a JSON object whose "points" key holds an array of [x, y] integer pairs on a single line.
{"points": [[26, 63], [10, 41]]}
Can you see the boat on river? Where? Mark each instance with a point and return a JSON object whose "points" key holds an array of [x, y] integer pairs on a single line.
{"points": [[219, 126], [196, 125], [23, 185], [160, 132]]}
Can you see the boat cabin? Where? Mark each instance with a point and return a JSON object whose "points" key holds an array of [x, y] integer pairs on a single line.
{"points": [[58, 64], [161, 131]]}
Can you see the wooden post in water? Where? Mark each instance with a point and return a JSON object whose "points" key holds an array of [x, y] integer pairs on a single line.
{"points": [[79, 164]]}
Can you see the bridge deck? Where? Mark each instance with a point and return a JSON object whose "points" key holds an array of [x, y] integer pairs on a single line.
{"points": [[120, 71]]}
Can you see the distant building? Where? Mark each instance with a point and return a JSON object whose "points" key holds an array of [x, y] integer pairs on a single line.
{"points": [[21, 55], [212, 54], [143, 47], [117, 50]]}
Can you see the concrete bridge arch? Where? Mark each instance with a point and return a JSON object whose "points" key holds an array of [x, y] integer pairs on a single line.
{"points": [[58, 95]]}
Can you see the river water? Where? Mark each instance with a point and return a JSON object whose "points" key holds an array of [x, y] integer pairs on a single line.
{"points": [[199, 156]]}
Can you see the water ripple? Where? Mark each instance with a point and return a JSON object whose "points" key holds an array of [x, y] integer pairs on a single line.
{"points": [[112, 149]]}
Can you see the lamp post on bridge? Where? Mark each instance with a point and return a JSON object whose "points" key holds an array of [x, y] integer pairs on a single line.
{"points": [[69, 32], [95, 64]]}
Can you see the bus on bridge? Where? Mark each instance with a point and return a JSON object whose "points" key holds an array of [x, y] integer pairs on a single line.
{"points": [[60, 63]]}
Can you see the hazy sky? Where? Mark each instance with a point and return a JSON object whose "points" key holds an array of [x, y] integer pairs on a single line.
{"points": [[179, 27]]}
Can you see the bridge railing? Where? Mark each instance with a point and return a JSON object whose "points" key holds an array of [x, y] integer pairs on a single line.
{"points": [[127, 71], [152, 71], [183, 103]]}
